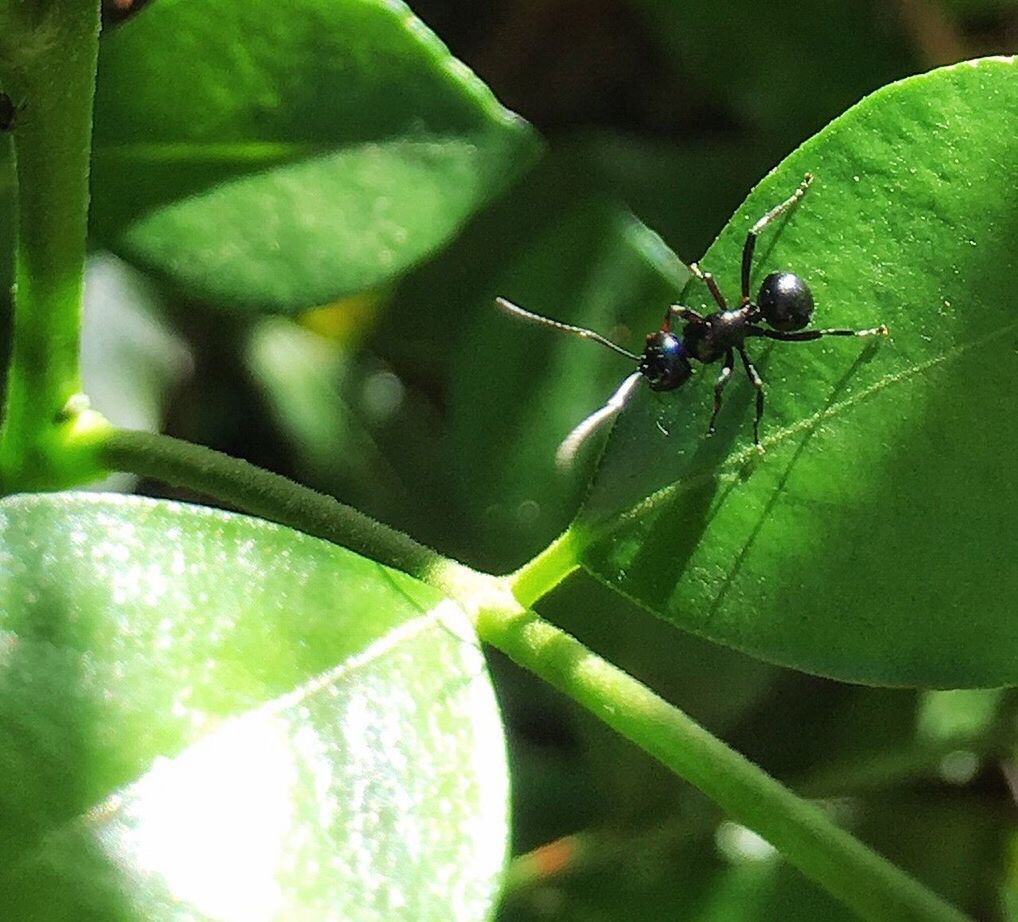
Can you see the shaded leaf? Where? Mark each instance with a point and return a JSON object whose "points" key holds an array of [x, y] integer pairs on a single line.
{"points": [[306, 151], [784, 72], [687, 868], [8, 223], [560, 245], [683, 191], [357, 430], [596, 266]]}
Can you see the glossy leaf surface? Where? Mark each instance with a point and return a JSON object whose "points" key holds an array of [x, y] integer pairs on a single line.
{"points": [[308, 150], [212, 717], [868, 543]]}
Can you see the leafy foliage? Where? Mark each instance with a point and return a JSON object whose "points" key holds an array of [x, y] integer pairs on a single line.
{"points": [[211, 715], [864, 543], [204, 715], [307, 151]]}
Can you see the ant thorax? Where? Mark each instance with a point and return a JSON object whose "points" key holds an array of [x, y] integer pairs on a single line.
{"points": [[707, 340]]}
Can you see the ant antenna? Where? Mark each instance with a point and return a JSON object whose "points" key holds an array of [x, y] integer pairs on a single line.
{"points": [[583, 333], [573, 442]]}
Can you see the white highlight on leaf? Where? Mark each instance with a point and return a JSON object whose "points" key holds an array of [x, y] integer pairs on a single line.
{"points": [[353, 763], [741, 845], [212, 822]]}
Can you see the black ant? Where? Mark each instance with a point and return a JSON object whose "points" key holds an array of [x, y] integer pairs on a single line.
{"points": [[785, 303]]}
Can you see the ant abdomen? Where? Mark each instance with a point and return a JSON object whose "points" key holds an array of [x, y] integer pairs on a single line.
{"points": [[785, 302]]}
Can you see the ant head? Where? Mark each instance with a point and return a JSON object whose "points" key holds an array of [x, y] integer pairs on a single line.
{"points": [[664, 363], [785, 301]]}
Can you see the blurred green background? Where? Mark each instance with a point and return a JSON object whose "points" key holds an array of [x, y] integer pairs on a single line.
{"points": [[411, 402]]}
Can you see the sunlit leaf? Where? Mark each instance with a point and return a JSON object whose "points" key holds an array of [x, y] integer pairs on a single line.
{"points": [[867, 543], [211, 716]]}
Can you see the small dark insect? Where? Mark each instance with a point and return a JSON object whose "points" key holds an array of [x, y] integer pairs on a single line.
{"points": [[9, 113], [784, 303]]}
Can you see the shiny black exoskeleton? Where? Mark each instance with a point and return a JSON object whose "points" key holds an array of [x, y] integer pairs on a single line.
{"points": [[782, 310], [784, 304], [664, 363]]}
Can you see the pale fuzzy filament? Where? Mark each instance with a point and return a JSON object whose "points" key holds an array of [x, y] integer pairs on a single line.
{"points": [[573, 442]]}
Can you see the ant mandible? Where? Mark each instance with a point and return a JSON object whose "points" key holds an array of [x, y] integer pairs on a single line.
{"points": [[784, 302]]}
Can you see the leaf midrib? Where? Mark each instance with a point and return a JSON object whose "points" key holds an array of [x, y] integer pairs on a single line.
{"points": [[260, 153]]}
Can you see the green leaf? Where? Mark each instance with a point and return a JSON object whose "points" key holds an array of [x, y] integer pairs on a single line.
{"points": [[277, 156], [573, 253], [783, 70], [8, 222], [355, 428], [866, 544], [210, 716]]}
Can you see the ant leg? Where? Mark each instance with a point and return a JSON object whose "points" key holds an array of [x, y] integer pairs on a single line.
{"points": [[708, 280], [804, 336], [719, 386], [757, 382], [685, 314], [754, 231]]}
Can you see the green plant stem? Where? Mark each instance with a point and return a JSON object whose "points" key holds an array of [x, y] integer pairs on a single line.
{"points": [[544, 572], [860, 878], [49, 53], [271, 496]]}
